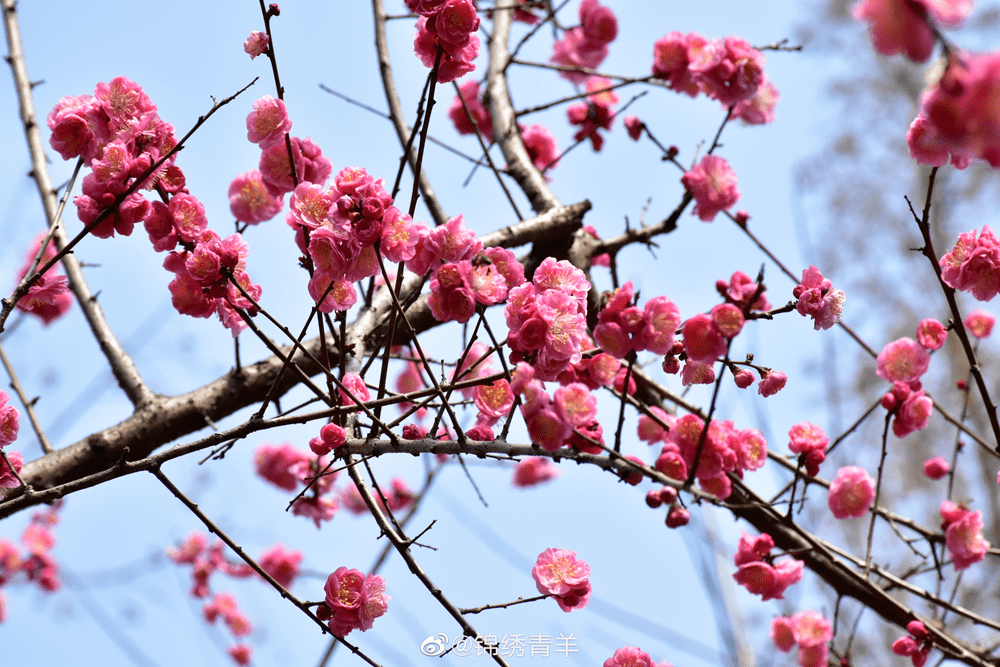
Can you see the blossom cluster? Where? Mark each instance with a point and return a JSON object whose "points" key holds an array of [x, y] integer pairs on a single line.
{"points": [[808, 630], [594, 370], [586, 45], [38, 565], [208, 277], [963, 534], [899, 26], [756, 571], [917, 646], [338, 228], [741, 290], [728, 70], [287, 468], [597, 112], [623, 327], [118, 133], [48, 298], [568, 417], [809, 442], [955, 121], [706, 338], [725, 449], [464, 273], [353, 601], [448, 27], [205, 561], [903, 362], [398, 496], [493, 401], [559, 573], [547, 318], [818, 299], [281, 564], [224, 606]]}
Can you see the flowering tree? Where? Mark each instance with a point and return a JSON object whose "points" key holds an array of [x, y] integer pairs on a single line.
{"points": [[435, 339]]}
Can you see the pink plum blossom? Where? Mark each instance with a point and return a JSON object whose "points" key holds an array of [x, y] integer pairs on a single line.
{"points": [[810, 628], [354, 600], [902, 360], [558, 572], [672, 59], [958, 113], [596, 113], [249, 200], [851, 493], [458, 43], [809, 439], [973, 265], [268, 123], [330, 437], [543, 151], [818, 299], [926, 146], [897, 26], [759, 109], [355, 391], [49, 298], [807, 629], [744, 378], [931, 334], [9, 417], [913, 414], [781, 634], [695, 372], [189, 550], [703, 341], [480, 117], [240, 653], [629, 656], [963, 535], [728, 70], [281, 564], [740, 289], [533, 471], [771, 383], [8, 478], [900, 26], [311, 166], [256, 44], [936, 468], [760, 576], [586, 45], [712, 183], [70, 123], [276, 464], [634, 127], [979, 323]]}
